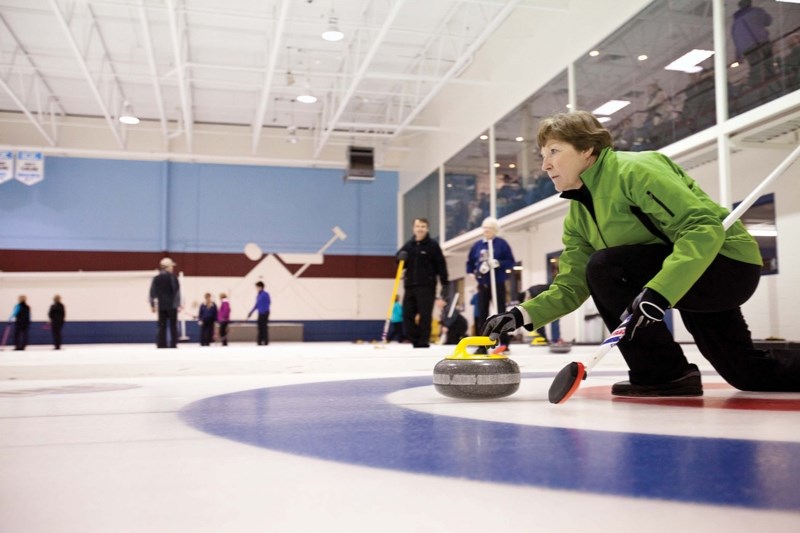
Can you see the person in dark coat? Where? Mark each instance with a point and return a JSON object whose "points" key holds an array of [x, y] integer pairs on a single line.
{"points": [[207, 317], [22, 323], [57, 315], [423, 265], [165, 299]]}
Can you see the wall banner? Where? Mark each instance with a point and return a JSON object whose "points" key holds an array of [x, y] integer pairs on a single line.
{"points": [[30, 167], [6, 166]]}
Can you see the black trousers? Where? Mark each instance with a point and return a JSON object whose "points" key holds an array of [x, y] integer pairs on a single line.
{"points": [[167, 318], [263, 329], [206, 333], [418, 301], [56, 328], [484, 299], [20, 337], [710, 310], [223, 333]]}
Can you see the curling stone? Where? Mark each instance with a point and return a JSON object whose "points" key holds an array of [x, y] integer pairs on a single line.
{"points": [[476, 376], [538, 339], [560, 347]]}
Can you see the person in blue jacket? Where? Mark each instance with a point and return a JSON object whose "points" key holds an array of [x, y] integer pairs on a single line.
{"points": [[480, 265], [262, 306], [206, 318]]}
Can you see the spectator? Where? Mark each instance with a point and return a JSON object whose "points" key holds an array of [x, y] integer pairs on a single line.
{"points": [[262, 305], [751, 40], [396, 322], [57, 315], [206, 318], [453, 326], [224, 318], [165, 299], [22, 323]]}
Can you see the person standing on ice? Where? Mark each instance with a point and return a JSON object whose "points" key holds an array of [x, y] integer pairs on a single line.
{"points": [[423, 265], [481, 261], [640, 237]]}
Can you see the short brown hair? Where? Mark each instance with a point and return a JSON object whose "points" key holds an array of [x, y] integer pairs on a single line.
{"points": [[579, 128], [423, 220]]}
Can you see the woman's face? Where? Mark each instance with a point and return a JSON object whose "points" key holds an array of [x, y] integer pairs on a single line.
{"points": [[564, 164]]}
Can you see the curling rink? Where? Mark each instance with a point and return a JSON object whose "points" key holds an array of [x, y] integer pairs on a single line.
{"points": [[298, 437]]}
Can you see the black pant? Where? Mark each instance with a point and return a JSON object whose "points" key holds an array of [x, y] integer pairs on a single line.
{"points": [[484, 299], [20, 337], [263, 329], [164, 316], [206, 332], [418, 301], [710, 311], [223, 333], [56, 328]]}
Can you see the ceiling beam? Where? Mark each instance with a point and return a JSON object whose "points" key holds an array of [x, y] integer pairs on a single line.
{"points": [[465, 57], [151, 61], [27, 112], [272, 63], [180, 67], [62, 22], [358, 76]]}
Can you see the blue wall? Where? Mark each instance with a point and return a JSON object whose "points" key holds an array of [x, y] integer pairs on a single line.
{"points": [[116, 205]]}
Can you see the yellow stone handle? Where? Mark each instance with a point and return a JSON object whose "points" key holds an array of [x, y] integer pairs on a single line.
{"points": [[461, 350]]}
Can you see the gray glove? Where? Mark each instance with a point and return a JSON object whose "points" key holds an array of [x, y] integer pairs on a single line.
{"points": [[501, 323]]}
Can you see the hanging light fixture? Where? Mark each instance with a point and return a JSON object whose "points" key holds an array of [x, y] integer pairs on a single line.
{"points": [[127, 116], [332, 32]]}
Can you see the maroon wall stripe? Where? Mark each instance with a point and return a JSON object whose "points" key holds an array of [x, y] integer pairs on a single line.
{"points": [[191, 264]]}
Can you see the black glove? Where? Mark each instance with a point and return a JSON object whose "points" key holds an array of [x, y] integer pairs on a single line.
{"points": [[648, 307], [402, 255], [498, 324]]}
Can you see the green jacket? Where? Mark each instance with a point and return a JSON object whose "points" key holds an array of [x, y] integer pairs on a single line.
{"points": [[669, 201]]}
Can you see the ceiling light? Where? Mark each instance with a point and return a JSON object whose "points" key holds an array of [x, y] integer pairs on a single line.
{"points": [[642, 57], [333, 33], [519, 139], [734, 64], [484, 137], [594, 53], [512, 165], [497, 165], [307, 98], [127, 116], [610, 107], [603, 119], [689, 62]]}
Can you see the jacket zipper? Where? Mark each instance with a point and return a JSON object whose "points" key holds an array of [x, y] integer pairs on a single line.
{"points": [[659, 202]]}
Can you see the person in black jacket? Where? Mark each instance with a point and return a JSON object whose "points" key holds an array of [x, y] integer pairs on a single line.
{"points": [[423, 265], [22, 323], [165, 298], [57, 315]]}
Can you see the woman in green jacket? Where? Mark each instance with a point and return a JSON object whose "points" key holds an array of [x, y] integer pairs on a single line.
{"points": [[641, 237]]}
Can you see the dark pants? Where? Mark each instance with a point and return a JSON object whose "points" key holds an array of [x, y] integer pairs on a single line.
{"points": [[223, 333], [56, 328], [710, 311], [206, 332], [167, 316], [418, 301], [484, 299], [759, 64], [263, 329], [395, 330], [20, 336]]}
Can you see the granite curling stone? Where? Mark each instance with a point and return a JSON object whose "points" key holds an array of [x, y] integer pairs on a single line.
{"points": [[476, 376]]}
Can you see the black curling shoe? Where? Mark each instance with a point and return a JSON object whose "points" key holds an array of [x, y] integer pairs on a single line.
{"points": [[688, 384]]}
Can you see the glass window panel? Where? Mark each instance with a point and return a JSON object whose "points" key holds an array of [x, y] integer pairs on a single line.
{"points": [[763, 50], [661, 106], [466, 187], [422, 202], [520, 180]]}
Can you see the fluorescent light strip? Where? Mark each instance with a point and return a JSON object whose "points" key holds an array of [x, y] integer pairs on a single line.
{"points": [[689, 61], [610, 107]]}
